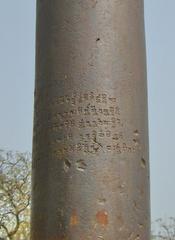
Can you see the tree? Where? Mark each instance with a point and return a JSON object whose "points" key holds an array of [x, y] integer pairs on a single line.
{"points": [[166, 229], [15, 197]]}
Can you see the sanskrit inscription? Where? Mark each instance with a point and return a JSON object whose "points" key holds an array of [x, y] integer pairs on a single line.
{"points": [[89, 122]]}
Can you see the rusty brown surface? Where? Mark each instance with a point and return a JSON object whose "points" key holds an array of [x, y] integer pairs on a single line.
{"points": [[102, 217], [90, 143], [74, 218]]}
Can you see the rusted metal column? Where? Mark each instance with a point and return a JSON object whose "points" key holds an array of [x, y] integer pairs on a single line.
{"points": [[90, 147]]}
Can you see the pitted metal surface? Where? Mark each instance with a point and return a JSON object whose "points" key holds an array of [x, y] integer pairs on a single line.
{"points": [[90, 143]]}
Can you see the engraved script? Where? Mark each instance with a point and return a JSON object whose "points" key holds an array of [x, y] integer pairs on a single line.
{"points": [[87, 122]]}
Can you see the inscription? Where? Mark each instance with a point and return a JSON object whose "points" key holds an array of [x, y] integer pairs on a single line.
{"points": [[89, 122]]}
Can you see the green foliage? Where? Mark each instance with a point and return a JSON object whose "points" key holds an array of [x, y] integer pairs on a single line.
{"points": [[15, 197], [15, 185]]}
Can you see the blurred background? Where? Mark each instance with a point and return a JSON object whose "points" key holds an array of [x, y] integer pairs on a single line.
{"points": [[17, 68]]}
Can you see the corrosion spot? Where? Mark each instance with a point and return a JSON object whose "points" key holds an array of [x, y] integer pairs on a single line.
{"points": [[137, 237], [100, 237], [141, 225], [102, 217], [74, 218], [101, 201], [81, 165], [136, 133], [67, 165], [122, 188], [143, 163], [136, 142]]}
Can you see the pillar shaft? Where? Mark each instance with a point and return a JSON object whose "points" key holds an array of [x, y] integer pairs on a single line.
{"points": [[90, 145]]}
